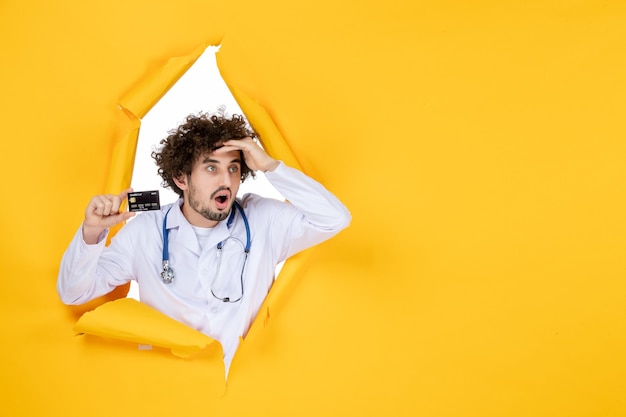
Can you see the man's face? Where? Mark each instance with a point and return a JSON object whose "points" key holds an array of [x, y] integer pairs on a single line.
{"points": [[210, 190]]}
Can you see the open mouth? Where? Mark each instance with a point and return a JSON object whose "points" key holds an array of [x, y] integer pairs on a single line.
{"points": [[221, 199]]}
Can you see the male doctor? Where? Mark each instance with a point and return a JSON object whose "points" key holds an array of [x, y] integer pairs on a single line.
{"points": [[207, 260]]}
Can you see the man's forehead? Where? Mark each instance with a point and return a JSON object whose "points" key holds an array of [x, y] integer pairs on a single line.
{"points": [[228, 157]]}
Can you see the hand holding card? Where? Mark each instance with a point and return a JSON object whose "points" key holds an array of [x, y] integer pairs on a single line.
{"points": [[103, 212]]}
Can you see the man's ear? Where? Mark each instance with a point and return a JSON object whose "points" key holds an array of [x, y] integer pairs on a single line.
{"points": [[181, 181]]}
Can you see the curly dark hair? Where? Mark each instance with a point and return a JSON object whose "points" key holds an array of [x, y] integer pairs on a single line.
{"points": [[198, 135]]}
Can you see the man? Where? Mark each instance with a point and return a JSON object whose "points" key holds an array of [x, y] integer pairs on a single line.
{"points": [[207, 260]]}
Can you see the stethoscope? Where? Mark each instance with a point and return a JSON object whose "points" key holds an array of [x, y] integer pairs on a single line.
{"points": [[168, 273]]}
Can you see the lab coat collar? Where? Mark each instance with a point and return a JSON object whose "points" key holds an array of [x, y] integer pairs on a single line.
{"points": [[186, 236]]}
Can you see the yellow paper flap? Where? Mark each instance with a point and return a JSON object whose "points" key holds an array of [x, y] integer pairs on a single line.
{"points": [[150, 90], [128, 319], [271, 138]]}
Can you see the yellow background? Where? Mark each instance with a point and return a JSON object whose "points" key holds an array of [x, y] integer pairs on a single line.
{"points": [[478, 144]]}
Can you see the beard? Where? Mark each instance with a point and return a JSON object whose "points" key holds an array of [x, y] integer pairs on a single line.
{"points": [[210, 214], [206, 212]]}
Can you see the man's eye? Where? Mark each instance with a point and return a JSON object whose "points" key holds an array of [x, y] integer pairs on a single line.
{"points": [[233, 169], [210, 168]]}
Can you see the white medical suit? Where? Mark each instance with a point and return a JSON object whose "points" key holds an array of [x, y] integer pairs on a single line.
{"points": [[278, 230]]}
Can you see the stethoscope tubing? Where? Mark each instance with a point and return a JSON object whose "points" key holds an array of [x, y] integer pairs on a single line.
{"points": [[168, 273]]}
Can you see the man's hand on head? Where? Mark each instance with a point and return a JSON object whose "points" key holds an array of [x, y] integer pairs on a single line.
{"points": [[255, 157]]}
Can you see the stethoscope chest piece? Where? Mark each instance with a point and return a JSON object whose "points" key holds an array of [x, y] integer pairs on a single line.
{"points": [[168, 273]]}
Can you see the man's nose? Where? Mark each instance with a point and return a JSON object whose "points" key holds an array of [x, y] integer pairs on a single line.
{"points": [[225, 179]]}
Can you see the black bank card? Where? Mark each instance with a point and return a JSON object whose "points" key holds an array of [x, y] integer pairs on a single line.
{"points": [[143, 200]]}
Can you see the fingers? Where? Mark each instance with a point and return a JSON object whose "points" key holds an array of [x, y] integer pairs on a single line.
{"points": [[255, 156], [103, 212], [246, 144], [105, 205], [124, 194], [108, 204]]}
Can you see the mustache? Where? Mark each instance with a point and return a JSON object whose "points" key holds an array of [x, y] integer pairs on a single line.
{"points": [[214, 193]]}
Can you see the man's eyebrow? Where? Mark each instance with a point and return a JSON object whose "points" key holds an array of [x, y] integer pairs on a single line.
{"points": [[215, 161]]}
